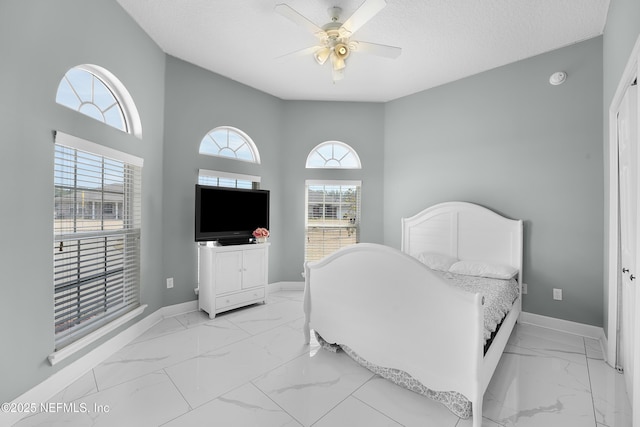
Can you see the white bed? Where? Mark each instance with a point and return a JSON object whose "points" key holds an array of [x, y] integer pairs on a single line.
{"points": [[394, 312]]}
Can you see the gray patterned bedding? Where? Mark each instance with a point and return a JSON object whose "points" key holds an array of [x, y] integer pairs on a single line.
{"points": [[498, 297]]}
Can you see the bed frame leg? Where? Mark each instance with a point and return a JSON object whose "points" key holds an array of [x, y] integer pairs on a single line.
{"points": [[307, 332], [476, 408]]}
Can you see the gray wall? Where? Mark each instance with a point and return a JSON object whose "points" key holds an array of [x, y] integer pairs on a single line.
{"points": [[39, 42], [284, 133], [510, 141], [307, 124], [196, 102], [621, 32]]}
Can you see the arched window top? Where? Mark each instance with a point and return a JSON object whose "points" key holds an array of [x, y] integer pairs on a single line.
{"points": [[333, 155], [97, 93], [227, 141]]}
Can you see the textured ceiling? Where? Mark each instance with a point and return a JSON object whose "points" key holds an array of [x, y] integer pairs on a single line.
{"points": [[441, 41]]}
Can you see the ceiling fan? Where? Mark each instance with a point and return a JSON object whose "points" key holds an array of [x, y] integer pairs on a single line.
{"points": [[335, 41]]}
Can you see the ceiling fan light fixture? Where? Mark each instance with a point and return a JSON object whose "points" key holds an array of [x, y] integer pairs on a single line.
{"points": [[337, 62], [341, 50], [335, 36], [337, 74], [321, 55]]}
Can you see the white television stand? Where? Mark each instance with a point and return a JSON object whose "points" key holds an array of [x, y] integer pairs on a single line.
{"points": [[232, 276]]}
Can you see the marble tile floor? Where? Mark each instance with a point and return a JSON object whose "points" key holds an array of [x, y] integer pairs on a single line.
{"points": [[249, 367]]}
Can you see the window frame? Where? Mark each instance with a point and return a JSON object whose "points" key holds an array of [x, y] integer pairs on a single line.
{"points": [[84, 332], [127, 108], [339, 227], [328, 160], [253, 149]]}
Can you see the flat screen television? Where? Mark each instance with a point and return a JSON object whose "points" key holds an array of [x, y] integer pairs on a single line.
{"points": [[229, 215]]}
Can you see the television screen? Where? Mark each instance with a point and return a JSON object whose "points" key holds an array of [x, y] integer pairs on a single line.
{"points": [[227, 214]]}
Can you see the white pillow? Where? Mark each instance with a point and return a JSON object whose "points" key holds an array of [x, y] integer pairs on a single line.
{"points": [[483, 269], [437, 261]]}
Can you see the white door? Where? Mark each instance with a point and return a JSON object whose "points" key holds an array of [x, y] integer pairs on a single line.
{"points": [[228, 272], [254, 267], [628, 175]]}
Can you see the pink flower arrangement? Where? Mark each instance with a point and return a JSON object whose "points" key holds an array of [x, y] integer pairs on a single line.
{"points": [[261, 232]]}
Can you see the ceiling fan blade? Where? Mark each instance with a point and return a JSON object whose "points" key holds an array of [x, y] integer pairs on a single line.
{"points": [[363, 14], [301, 52], [376, 49], [299, 19]]}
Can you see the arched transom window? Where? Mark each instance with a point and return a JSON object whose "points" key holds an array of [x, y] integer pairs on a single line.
{"points": [[226, 141], [333, 155], [95, 92]]}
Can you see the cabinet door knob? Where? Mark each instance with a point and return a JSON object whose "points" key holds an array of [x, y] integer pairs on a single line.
{"points": [[632, 277], [625, 270]]}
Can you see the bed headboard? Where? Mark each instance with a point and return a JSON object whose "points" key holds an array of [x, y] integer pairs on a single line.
{"points": [[465, 231]]}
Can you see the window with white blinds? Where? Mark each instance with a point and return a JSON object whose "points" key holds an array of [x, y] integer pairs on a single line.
{"points": [[227, 179], [332, 217], [96, 253]]}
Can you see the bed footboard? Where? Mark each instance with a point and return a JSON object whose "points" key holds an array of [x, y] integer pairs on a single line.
{"points": [[394, 312]]}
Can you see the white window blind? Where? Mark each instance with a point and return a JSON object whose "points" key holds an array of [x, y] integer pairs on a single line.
{"points": [[227, 179], [332, 217], [96, 254]]}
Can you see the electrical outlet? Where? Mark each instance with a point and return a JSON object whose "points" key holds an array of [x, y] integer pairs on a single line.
{"points": [[169, 282], [524, 289], [557, 294]]}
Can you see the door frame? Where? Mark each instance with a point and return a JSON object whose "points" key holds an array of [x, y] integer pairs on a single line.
{"points": [[630, 73]]}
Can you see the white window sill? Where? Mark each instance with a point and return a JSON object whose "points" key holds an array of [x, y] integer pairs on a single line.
{"points": [[60, 355]]}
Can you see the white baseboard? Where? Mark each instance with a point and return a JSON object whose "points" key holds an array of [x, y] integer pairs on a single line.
{"points": [[286, 286], [561, 325], [61, 379], [604, 345], [176, 309]]}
